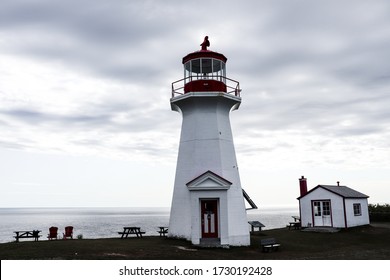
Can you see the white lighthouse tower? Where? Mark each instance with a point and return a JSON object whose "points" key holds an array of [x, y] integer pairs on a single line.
{"points": [[208, 202]]}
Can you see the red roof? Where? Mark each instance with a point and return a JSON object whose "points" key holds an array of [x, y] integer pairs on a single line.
{"points": [[342, 191], [204, 53]]}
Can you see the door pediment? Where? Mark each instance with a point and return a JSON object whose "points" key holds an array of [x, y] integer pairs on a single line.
{"points": [[208, 181]]}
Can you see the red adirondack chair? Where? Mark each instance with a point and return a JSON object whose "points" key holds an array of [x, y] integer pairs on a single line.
{"points": [[52, 233], [68, 232]]}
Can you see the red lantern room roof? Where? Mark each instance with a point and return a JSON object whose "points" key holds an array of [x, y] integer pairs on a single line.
{"points": [[204, 53]]}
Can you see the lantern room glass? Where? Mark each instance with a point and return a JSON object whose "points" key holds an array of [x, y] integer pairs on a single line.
{"points": [[204, 68]]}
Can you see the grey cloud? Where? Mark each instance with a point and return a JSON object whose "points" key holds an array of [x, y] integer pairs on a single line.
{"points": [[96, 20], [37, 118], [344, 40], [17, 145], [350, 115], [89, 34], [342, 45], [135, 120]]}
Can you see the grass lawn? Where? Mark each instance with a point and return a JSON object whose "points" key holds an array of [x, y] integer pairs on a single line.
{"points": [[367, 242]]}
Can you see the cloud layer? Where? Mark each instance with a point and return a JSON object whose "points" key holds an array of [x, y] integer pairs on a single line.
{"points": [[93, 77]]}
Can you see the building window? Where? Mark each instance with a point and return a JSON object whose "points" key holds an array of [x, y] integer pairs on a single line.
{"points": [[357, 210], [326, 208], [317, 208]]}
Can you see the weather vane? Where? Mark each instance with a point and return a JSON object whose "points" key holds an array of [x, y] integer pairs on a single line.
{"points": [[205, 44]]}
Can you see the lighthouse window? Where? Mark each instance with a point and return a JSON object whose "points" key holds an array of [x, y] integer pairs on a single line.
{"points": [[217, 65], [206, 66], [195, 66], [187, 66], [219, 70], [187, 72]]}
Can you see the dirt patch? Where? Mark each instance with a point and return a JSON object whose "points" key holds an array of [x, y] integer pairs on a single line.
{"points": [[114, 255], [186, 249]]}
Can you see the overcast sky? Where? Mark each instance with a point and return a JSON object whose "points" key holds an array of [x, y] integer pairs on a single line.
{"points": [[85, 118]]}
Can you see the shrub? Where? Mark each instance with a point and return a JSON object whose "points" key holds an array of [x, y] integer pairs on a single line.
{"points": [[379, 213]]}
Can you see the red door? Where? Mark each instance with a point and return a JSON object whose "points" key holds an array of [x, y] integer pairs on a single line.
{"points": [[209, 217]]}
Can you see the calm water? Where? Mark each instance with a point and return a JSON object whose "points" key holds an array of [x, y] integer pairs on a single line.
{"points": [[106, 222]]}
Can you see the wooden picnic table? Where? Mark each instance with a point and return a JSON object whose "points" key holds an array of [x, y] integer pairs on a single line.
{"points": [[269, 244], [255, 224], [131, 230], [27, 234], [163, 231], [296, 218], [294, 225]]}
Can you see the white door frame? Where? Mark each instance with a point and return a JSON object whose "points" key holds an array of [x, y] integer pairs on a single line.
{"points": [[322, 213]]}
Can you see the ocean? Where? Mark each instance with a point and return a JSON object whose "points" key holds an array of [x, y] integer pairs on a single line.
{"points": [[105, 222]]}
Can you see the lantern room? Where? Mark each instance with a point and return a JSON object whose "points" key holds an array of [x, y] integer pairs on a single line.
{"points": [[204, 71]]}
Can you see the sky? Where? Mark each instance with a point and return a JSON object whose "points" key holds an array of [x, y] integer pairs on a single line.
{"points": [[85, 88]]}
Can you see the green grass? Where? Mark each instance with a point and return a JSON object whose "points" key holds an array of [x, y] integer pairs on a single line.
{"points": [[366, 242]]}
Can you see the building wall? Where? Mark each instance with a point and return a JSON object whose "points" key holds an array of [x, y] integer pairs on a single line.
{"points": [[337, 209], [336, 202], [206, 143], [306, 209], [359, 220], [238, 221]]}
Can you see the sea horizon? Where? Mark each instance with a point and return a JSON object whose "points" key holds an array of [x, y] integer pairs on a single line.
{"points": [[105, 222]]}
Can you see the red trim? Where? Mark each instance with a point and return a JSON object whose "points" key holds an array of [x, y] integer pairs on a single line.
{"points": [[345, 213], [331, 212], [212, 207], [312, 213], [210, 172], [300, 212], [322, 186], [322, 210], [204, 86], [204, 53], [313, 189]]}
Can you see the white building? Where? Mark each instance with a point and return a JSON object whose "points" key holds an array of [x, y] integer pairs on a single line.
{"points": [[332, 206], [208, 202]]}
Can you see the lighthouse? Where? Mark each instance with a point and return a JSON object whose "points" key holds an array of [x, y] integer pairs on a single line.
{"points": [[208, 205]]}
